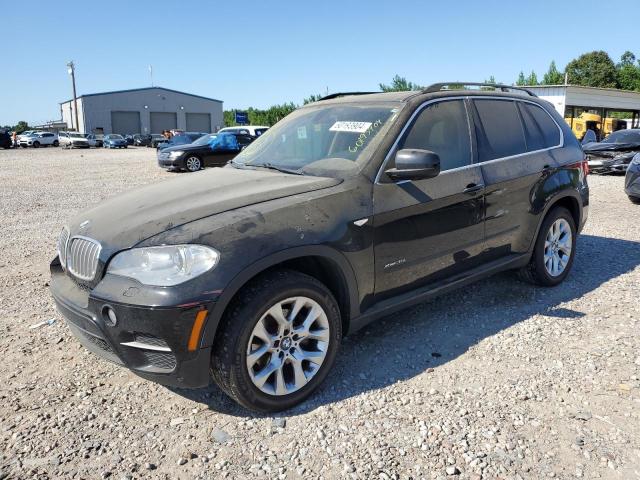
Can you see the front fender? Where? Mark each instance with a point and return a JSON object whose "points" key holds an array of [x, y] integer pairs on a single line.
{"points": [[241, 279]]}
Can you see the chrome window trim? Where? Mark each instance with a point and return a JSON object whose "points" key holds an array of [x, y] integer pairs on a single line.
{"points": [[463, 98]]}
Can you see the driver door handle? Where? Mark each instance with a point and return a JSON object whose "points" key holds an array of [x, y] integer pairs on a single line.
{"points": [[473, 188]]}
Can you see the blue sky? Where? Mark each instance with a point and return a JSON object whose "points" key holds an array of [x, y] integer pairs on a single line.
{"points": [[260, 53]]}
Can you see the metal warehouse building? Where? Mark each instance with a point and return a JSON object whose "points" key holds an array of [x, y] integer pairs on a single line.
{"points": [[143, 110], [571, 100]]}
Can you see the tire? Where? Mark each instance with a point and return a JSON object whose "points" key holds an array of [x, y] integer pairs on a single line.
{"points": [[56, 143], [237, 337], [635, 200], [36, 144], [541, 270], [193, 163]]}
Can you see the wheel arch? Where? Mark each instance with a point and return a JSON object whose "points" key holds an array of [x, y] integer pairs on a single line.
{"points": [[321, 262], [568, 199]]}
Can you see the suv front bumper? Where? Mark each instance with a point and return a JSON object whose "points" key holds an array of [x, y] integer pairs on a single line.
{"points": [[152, 342]]}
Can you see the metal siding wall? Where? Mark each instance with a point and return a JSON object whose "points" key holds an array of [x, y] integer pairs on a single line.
{"points": [[98, 108]]}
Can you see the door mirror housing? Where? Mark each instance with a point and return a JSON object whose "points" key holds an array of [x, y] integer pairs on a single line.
{"points": [[415, 164]]}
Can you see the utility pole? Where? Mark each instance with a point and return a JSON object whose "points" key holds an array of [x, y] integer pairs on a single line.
{"points": [[72, 72], [151, 73]]}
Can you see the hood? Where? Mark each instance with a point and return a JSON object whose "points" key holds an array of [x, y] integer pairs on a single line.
{"points": [[609, 147], [132, 217], [184, 146]]}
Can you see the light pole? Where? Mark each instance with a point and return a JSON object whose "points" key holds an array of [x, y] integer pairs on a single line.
{"points": [[72, 72]]}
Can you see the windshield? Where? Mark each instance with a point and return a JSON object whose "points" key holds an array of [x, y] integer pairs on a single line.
{"points": [[623, 136], [76, 135], [328, 138], [205, 139], [115, 137]]}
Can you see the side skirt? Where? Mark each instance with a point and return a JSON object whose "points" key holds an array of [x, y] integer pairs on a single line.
{"points": [[423, 294]]}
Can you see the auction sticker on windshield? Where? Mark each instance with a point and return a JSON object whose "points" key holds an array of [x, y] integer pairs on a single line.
{"points": [[355, 127]]}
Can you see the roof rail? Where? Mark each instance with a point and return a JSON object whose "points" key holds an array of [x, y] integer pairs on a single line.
{"points": [[436, 87], [344, 94]]}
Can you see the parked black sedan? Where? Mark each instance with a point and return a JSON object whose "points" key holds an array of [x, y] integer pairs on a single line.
{"points": [[141, 140], [614, 153], [211, 150]]}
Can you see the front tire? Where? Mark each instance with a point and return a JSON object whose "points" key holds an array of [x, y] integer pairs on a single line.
{"points": [[554, 250], [277, 342], [36, 144], [635, 200], [193, 163]]}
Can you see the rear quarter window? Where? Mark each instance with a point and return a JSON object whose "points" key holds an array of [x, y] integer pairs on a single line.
{"points": [[540, 130], [498, 129]]}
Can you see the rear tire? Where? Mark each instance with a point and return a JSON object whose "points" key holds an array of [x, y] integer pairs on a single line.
{"points": [[56, 143], [554, 250], [635, 200], [288, 376]]}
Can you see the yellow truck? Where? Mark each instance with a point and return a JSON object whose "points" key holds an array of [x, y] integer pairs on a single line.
{"points": [[591, 121]]}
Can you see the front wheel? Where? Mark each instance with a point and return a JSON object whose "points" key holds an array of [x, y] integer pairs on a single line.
{"points": [[193, 164], [635, 200], [36, 144], [554, 250], [278, 341]]}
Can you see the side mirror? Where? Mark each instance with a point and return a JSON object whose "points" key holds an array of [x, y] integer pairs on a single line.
{"points": [[415, 164]]}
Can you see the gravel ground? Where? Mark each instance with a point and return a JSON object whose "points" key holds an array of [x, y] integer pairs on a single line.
{"points": [[501, 380]]}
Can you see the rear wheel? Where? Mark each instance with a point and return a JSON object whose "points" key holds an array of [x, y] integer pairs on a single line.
{"points": [[56, 143], [193, 163], [277, 342], [554, 250], [635, 200]]}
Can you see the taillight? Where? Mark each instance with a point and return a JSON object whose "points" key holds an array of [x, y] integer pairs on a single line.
{"points": [[583, 165]]}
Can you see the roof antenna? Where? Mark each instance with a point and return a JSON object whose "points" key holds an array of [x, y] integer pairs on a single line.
{"points": [[151, 73]]}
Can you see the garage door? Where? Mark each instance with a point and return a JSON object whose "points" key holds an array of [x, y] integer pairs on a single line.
{"points": [[198, 122], [125, 123], [163, 121]]}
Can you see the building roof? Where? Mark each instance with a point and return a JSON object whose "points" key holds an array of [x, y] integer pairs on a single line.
{"points": [[140, 90], [592, 97]]}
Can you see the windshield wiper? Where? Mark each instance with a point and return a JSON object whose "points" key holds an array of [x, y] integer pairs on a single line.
{"points": [[239, 165], [271, 166]]}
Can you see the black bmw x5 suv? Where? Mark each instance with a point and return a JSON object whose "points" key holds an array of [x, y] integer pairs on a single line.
{"points": [[348, 209]]}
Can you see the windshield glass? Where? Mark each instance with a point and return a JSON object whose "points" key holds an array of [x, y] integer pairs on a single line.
{"points": [[325, 137], [205, 139], [76, 135], [623, 136], [115, 137]]}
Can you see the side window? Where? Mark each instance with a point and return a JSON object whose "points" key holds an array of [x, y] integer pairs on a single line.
{"points": [[442, 128], [540, 129], [498, 129]]}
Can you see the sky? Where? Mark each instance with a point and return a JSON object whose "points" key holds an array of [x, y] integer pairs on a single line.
{"points": [[256, 53]]}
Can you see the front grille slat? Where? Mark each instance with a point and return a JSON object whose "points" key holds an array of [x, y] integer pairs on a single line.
{"points": [[82, 258]]}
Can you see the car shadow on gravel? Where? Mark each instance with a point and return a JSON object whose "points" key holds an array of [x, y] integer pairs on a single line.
{"points": [[428, 335]]}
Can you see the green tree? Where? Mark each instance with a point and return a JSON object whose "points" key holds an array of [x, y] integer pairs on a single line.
{"points": [[521, 80], [399, 84], [593, 69], [312, 98], [553, 76], [532, 79], [21, 126], [628, 72]]}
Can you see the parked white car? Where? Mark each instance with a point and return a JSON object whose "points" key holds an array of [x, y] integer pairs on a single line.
{"points": [[39, 139], [73, 140], [24, 135], [253, 130]]}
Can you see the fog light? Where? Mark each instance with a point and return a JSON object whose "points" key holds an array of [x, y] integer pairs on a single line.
{"points": [[109, 316]]}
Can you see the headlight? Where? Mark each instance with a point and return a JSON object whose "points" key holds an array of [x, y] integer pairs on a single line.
{"points": [[636, 159], [164, 266], [176, 154]]}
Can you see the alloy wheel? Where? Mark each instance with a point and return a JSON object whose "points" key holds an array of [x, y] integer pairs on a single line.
{"points": [[288, 346], [557, 247], [193, 164]]}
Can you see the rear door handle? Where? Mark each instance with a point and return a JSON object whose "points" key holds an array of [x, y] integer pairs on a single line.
{"points": [[473, 188]]}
